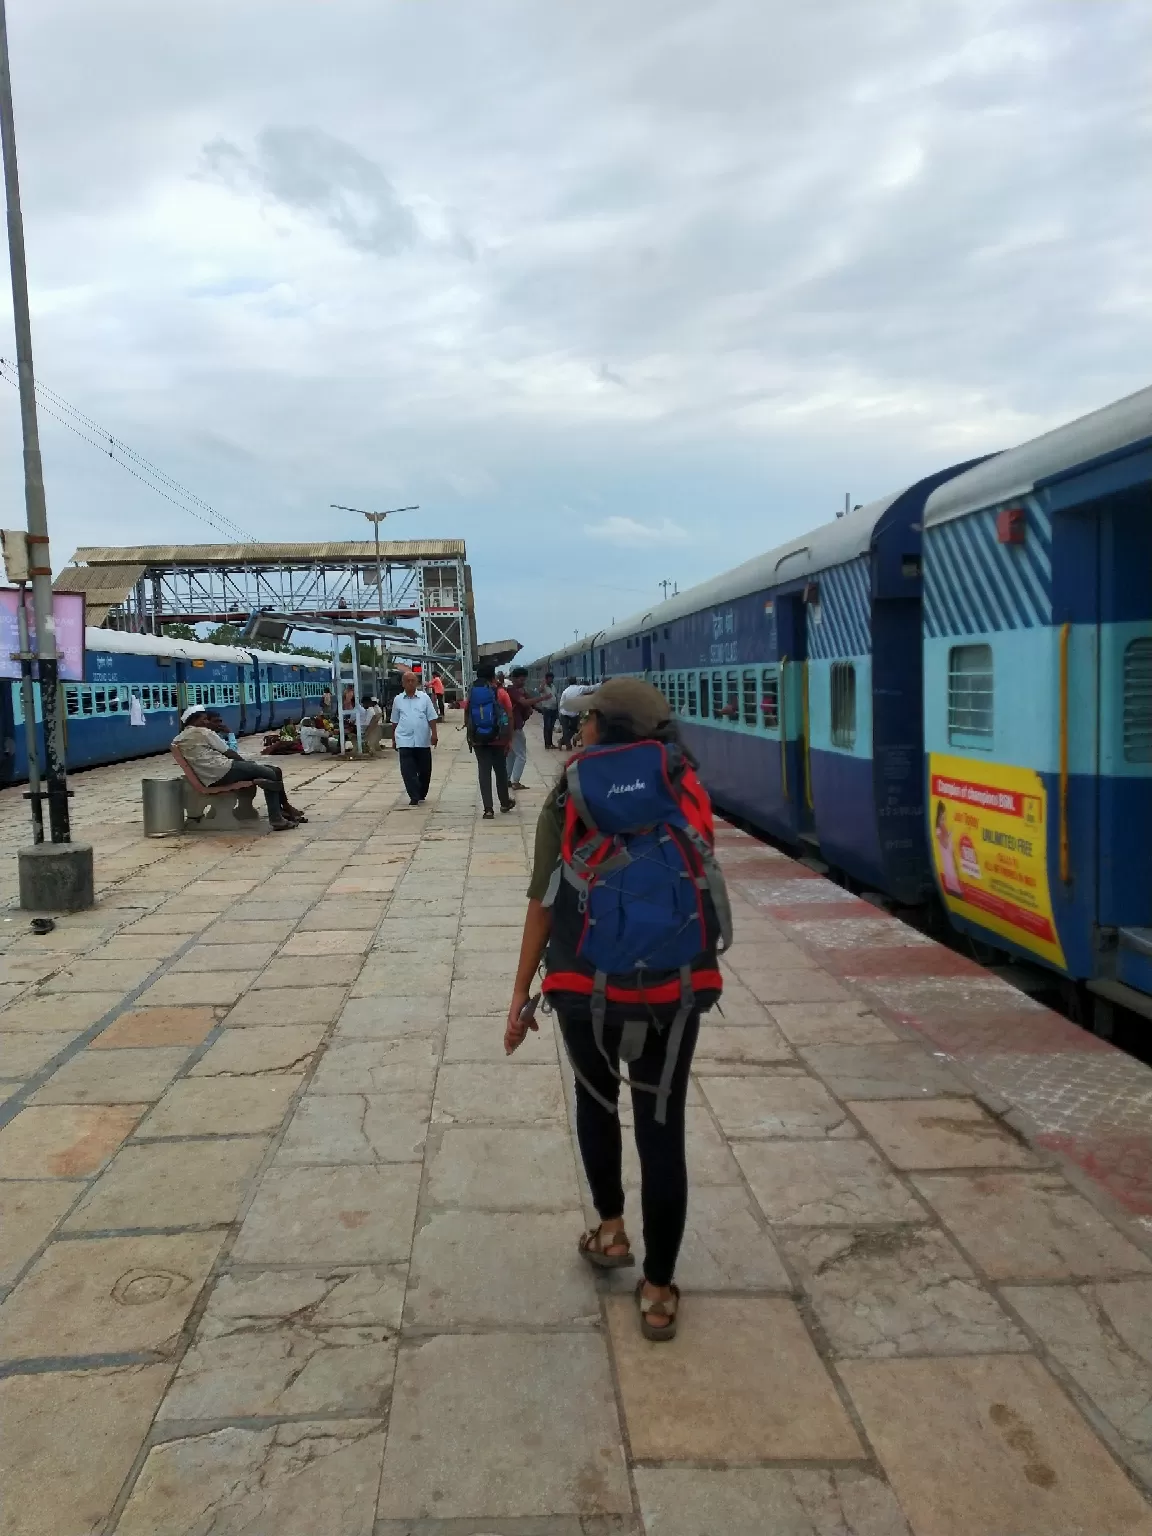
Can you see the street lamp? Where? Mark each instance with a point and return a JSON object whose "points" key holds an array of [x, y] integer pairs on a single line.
{"points": [[375, 518]]}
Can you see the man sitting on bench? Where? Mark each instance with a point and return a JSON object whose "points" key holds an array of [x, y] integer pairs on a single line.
{"points": [[216, 765]]}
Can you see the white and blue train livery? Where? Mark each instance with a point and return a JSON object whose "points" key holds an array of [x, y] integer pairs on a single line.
{"points": [[251, 691], [949, 691]]}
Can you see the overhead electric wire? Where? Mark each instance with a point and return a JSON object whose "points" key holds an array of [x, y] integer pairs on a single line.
{"points": [[53, 404]]}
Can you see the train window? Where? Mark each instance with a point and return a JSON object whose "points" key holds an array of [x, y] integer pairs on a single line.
{"points": [[99, 701], [1138, 701], [748, 698], [681, 694], [770, 699], [843, 704], [690, 688], [72, 700], [87, 702], [732, 697], [718, 695], [705, 695], [970, 695]]}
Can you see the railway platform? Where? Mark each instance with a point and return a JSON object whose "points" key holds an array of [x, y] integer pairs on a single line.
{"points": [[287, 1246]]}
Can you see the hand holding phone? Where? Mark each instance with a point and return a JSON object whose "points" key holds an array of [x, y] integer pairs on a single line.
{"points": [[519, 1023]]}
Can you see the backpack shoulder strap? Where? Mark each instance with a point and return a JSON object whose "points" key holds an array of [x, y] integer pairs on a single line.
{"points": [[577, 805], [695, 804]]}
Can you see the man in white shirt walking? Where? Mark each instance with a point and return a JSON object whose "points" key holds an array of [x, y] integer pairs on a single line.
{"points": [[414, 721]]}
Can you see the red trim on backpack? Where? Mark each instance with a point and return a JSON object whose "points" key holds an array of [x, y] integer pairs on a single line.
{"points": [[664, 992]]}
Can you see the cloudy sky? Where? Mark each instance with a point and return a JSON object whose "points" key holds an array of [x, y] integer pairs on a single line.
{"points": [[616, 292]]}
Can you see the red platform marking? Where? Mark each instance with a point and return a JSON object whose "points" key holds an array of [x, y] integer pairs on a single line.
{"points": [[907, 960], [1122, 1165], [797, 911]]}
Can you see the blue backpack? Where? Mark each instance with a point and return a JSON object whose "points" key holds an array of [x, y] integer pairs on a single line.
{"points": [[487, 721], [639, 906]]}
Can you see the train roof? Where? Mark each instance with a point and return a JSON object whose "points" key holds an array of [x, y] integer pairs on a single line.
{"points": [[123, 643], [831, 544], [1117, 429]]}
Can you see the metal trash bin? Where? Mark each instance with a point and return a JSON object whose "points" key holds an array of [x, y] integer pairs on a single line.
{"points": [[163, 807]]}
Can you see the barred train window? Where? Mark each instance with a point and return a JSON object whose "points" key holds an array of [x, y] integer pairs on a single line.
{"points": [[770, 699], [705, 695], [970, 695], [1138, 701], [692, 684], [718, 695], [680, 693], [732, 696], [748, 698], [843, 704]]}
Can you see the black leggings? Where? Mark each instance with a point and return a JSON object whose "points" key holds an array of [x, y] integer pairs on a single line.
{"points": [[663, 1172]]}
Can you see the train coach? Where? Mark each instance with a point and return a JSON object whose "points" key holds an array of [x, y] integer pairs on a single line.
{"points": [[946, 693], [250, 690]]}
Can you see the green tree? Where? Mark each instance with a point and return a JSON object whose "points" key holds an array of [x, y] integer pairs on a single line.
{"points": [[180, 632]]}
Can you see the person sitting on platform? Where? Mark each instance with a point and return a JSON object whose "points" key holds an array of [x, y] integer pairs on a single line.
{"points": [[214, 763]]}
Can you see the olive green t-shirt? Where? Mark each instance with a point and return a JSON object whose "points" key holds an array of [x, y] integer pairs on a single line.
{"points": [[549, 834]]}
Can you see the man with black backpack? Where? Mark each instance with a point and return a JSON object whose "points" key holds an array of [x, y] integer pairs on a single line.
{"points": [[488, 723]]}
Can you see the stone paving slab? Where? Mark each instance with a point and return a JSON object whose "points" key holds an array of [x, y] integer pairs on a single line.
{"points": [[503, 1425], [346, 1223], [69, 1441], [294, 1479], [743, 1384], [981, 1447]]}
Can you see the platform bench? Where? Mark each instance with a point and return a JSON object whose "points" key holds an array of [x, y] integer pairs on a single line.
{"points": [[216, 807]]}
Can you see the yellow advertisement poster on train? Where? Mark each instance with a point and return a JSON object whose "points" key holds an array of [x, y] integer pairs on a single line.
{"points": [[989, 829]]}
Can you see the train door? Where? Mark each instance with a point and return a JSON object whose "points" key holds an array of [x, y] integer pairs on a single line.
{"points": [[792, 631], [1124, 722]]}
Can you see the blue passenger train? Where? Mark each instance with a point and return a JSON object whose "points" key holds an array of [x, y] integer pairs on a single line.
{"points": [[250, 690], [947, 691]]}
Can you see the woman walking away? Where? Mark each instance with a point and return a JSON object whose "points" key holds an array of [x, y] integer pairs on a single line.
{"points": [[628, 902]]}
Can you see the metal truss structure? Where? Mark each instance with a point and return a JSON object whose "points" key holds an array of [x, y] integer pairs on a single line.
{"points": [[422, 583]]}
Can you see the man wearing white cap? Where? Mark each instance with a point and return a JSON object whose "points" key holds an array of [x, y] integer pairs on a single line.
{"points": [[213, 762]]}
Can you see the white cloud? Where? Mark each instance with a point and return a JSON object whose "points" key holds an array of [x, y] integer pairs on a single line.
{"points": [[627, 533]]}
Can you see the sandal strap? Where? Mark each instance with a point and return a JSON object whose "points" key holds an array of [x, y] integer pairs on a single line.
{"points": [[659, 1308], [600, 1242]]}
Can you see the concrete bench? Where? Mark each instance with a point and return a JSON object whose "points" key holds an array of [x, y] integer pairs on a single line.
{"points": [[216, 807]]}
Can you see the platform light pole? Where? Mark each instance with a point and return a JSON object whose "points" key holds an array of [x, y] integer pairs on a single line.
{"points": [[64, 881], [375, 518]]}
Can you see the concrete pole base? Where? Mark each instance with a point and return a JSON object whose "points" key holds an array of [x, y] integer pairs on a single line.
{"points": [[56, 877]]}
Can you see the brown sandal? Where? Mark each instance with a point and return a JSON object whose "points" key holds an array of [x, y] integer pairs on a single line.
{"points": [[657, 1332], [594, 1242]]}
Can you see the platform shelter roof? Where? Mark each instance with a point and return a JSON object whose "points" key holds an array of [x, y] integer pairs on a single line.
{"points": [[104, 586], [202, 555]]}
